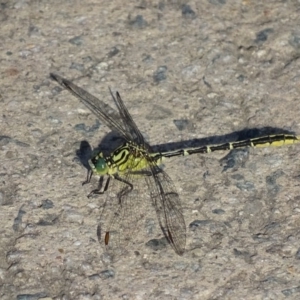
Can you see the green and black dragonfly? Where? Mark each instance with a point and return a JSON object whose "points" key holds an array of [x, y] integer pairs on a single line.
{"points": [[134, 164]]}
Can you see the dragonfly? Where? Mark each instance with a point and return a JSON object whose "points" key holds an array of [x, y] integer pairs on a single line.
{"points": [[135, 164]]}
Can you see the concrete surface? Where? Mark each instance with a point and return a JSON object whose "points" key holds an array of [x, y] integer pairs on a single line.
{"points": [[221, 70]]}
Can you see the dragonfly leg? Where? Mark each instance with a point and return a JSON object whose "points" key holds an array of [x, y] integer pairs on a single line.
{"points": [[88, 177], [99, 190], [127, 189], [141, 173]]}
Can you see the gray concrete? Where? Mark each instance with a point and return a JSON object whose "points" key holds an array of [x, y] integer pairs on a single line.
{"points": [[185, 71]]}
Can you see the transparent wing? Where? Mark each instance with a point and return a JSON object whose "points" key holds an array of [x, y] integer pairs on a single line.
{"points": [[130, 125], [120, 121], [121, 214], [168, 208], [125, 209]]}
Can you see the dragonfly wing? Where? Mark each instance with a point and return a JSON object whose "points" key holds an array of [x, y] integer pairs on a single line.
{"points": [[103, 111], [168, 208], [121, 215], [128, 122], [123, 209]]}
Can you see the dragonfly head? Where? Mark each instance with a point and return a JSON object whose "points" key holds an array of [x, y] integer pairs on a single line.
{"points": [[98, 164]]}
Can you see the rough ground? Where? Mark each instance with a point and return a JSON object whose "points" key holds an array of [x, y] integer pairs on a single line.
{"points": [[224, 70]]}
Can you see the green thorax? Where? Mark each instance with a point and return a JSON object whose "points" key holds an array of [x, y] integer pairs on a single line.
{"points": [[127, 158]]}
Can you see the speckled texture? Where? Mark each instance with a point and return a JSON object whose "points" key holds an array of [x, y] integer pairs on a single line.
{"points": [[186, 70]]}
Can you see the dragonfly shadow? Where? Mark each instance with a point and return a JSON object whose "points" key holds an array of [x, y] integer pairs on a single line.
{"points": [[235, 136], [84, 153], [113, 140], [107, 145]]}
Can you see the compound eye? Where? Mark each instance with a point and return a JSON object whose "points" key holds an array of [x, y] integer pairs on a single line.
{"points": [[100, 165]]}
